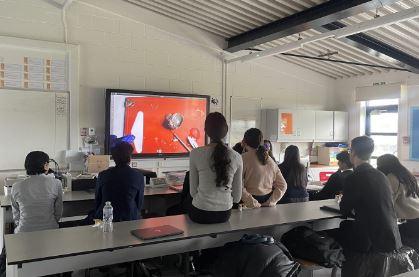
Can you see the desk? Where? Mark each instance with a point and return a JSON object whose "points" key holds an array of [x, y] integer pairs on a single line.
{"points": [[33, 254], [78, 203]]}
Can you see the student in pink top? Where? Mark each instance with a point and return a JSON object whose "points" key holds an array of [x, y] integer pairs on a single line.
{"points": [[263, 183]]}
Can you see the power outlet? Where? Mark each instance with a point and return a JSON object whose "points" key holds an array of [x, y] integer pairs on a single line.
{"points": [[134, 164]]}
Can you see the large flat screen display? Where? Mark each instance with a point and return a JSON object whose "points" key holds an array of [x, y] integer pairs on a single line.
{"points": [[156, 124]]}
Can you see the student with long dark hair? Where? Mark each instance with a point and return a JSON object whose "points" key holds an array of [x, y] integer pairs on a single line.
{"points": [[215, 175], [263, 184], [295, 175], [405, 194]]}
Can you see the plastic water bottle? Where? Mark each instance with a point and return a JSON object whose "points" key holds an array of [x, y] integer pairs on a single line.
{"points": [[107, 217]]}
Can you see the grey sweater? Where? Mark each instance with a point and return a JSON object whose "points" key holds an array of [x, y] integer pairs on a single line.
{"points": [[206, 195], [37, 203]]}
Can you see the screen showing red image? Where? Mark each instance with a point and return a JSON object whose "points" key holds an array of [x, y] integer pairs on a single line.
{"points": [[159, 125]]}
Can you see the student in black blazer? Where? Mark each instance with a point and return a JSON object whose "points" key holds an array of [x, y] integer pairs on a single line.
{"points": [[122, 185], [367, 193], [334, 185]]}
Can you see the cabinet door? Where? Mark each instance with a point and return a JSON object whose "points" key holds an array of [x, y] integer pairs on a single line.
{"points": [[324, 126], [304, 125], [341, 128], [286, 126]]}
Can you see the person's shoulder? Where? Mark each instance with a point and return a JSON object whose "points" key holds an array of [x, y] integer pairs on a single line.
{"points": [[16, 186], [199, 151], [136, 171], [234, 155]]}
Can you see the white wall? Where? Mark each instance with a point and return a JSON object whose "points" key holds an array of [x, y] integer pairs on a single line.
{"points": [[345, 99], [125, 46]]}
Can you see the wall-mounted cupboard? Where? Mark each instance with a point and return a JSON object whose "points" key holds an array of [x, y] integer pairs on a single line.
{"points": [[305, 125]]}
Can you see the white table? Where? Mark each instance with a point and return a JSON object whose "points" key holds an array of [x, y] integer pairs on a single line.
{"points": [[62, 250], [79, 203]]}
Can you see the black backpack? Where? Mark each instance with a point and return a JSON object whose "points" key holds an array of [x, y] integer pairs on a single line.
{"points": [[317, 247], [255, 256]]}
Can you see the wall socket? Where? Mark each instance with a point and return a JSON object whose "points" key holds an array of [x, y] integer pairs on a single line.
{"points": [[134, 164]]}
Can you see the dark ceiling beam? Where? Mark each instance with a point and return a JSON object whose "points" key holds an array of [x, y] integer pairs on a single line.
{"points": [[376, 48], [316, 16]]}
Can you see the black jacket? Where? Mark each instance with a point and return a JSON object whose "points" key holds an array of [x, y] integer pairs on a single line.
{"points": [[367, 193], [124, 187], [333, 186]]}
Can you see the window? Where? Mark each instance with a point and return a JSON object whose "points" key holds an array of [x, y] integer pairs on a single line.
{"points": [[382, 126]]}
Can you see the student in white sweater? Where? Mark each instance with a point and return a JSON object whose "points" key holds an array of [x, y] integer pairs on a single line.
{"points": [[215, 175], [405, 194]]}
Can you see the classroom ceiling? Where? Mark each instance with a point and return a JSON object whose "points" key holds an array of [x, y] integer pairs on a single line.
{"points": [[229, 18]]}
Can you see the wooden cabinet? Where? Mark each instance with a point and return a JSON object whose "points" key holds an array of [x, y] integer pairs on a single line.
{"points": [[324, 126], [340, 126]]}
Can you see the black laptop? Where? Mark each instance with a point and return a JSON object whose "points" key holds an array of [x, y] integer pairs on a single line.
{"points": [[156, 232]]}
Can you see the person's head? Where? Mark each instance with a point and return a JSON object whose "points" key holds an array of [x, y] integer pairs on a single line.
{"points": [[361, 149], [121, 153], [292, 155], [253, 139], [344, 160], [390, 164], [37, 162], [238, 147], [269, 148], [216, 129]]}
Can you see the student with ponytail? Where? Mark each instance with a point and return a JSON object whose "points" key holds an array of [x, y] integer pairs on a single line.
{"points": [[215, 175], [263, 184]]}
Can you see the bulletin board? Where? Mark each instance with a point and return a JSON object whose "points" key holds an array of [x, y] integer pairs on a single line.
{"points": [[414, 133], [39, 88]]}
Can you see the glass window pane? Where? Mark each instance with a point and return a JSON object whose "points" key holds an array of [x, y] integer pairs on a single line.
{"points": [[384, 145], [383, 102], [383, 122]]}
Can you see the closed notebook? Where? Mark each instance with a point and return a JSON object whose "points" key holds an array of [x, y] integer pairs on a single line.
{"points": [[156, 232]]}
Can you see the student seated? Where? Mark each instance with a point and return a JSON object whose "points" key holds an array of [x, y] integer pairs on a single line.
{"points": [[37, 202], [215, 175], [295, 175], [334, 185], [263, 184], [405, 191], [122, 185], [368, 195]]}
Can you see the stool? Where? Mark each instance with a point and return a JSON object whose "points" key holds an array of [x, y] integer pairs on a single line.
{"points": [[312, 266]]}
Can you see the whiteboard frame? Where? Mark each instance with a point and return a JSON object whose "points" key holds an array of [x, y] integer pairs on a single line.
{"points": [[72, 53]]}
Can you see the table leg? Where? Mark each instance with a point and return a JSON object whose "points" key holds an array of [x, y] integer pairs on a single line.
{"points": [[186, 263]]}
